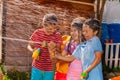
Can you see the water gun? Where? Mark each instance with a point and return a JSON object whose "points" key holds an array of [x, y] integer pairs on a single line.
{"points": [[83, 75], [44, 44], [65, 39], [36, 53], [52, 54]]}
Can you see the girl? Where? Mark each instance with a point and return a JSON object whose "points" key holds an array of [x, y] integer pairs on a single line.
{"points": [[89, 51], [75, 69]]}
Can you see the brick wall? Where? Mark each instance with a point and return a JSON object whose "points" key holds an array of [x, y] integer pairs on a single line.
{"points": [[25, 16]]}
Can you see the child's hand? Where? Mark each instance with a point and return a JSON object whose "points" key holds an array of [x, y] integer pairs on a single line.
{"points": [[52, 50], [84, 75], [51, 47]]}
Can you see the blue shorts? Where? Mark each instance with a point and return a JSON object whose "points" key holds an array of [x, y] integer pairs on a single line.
{"points": [[41, 75]]}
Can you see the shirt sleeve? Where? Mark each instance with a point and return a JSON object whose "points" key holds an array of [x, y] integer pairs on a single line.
{"points": [[58, 38], [34, 36], [76, 52], [97, 45], [66, 46]]}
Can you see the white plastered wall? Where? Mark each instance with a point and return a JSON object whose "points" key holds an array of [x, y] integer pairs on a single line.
{"points": [[112, 11]]}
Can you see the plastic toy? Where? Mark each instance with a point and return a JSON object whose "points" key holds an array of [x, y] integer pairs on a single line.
{"points": [[52, 54], [83, 75], [65, 39], [115, 78], [44, 44], [36, 53]]}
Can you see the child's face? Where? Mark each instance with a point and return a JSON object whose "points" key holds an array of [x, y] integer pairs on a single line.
{"points": [[74, 33], [88, 33], [49, 28], [66, 30]]}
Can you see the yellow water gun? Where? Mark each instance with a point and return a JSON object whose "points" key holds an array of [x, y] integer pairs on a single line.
{"points": [[52, 54], [44, 44], [36, 54], [65, 39]]}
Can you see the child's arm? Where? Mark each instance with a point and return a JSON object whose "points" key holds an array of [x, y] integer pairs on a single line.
{"points": [[59, 55], [51, 47], [31, 47], [65, 58], [96, 61], [58, 48], [64, 53]]}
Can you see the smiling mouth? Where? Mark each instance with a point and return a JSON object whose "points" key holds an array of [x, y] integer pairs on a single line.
{"points": [[86, 37]]}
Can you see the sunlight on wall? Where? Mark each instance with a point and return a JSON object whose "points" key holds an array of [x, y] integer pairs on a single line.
{"points": [[112, 12]]}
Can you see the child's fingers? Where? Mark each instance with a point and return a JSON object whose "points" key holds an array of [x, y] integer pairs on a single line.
{"points": [[52, 44]]}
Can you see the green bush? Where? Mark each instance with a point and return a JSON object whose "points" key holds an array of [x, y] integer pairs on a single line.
{"points": [[107, 69], [17, 75], [14, 74]]}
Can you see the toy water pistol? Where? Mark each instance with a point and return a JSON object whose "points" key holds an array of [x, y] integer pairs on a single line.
{"points": [[83, 75], [52, 54], [52, 47], [65, 39], [36, 53], [44, 44]]}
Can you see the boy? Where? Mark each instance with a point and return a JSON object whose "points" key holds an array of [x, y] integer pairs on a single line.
{"points": [[42, 68]]}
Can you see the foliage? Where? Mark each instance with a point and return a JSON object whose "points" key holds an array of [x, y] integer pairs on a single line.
{"points": [[14, 74], [107, 69], [17, 75]]}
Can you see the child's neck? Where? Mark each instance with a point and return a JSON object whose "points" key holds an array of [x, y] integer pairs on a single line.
{"points": [[77, 41], [46, 32]]}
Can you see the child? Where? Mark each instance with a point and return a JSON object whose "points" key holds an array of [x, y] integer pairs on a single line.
{"points": [[75, 69], [89, 52], [62, 66], [42, 68]]}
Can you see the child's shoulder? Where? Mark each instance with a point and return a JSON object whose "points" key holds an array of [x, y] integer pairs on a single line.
{"points": [[39, 30], [58, 33], [95, 38]]}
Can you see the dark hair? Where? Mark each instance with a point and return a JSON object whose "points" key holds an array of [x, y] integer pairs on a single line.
{"points": [[50, 19], [77, 23], [94, 24]]}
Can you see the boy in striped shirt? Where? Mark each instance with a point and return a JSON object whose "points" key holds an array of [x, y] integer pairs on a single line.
{"points": [[42, 68]]}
